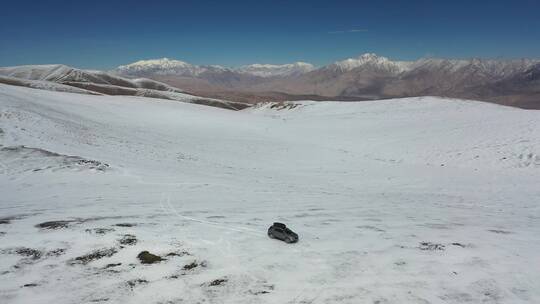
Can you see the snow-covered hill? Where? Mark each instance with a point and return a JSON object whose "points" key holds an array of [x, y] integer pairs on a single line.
{"points": [[59, 73], [67, 79], [418, 200]]}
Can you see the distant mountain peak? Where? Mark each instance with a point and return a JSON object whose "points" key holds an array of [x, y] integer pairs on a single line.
{"points": [[371, 60], [152, 63]]}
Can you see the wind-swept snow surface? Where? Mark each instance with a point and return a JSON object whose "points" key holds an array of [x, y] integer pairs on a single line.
{"points": [[419, 200]]}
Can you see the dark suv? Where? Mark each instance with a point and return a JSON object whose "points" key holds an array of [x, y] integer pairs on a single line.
{"points": [[281, 232]]}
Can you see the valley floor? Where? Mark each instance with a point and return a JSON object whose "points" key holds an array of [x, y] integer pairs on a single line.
{"points": [[418, 200]]}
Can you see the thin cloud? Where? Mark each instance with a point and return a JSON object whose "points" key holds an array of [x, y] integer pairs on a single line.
{"points": [[348, 31]]}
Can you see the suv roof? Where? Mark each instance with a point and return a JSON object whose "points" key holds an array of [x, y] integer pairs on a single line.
{"points": [[279, 225]]}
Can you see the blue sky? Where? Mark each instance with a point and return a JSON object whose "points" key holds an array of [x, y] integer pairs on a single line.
{"points": [[104, 34]]}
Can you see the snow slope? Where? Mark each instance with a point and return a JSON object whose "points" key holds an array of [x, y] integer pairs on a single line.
{"points": [[44, 85], [418, 200]]}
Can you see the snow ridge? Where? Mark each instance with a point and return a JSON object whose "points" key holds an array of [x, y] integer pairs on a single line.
{"points": [[166, 66], [272, 70]]}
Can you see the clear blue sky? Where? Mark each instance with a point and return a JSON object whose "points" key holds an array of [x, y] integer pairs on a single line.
{"points": [[104, 34]]}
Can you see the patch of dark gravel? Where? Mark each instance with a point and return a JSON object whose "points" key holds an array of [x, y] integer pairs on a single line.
{"points": [[99, 300], [8, 219], [94, 255], [128, 239], [178, 254], [193, 265], [133, 283], [112, 265], [217, 282], [267, 289], [126, 225], [56, 252], [498, 231], [52, 225], [31, 253], [66, 223], [428, 246], [99, 230], [92, 164]]}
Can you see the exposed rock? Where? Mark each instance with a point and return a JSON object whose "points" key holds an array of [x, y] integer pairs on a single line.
{"points": [[30, 285], [147, 258]]}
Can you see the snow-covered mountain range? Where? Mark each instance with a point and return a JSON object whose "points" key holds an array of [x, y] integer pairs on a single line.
{"points": [[366, 77], [166, 66]]}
